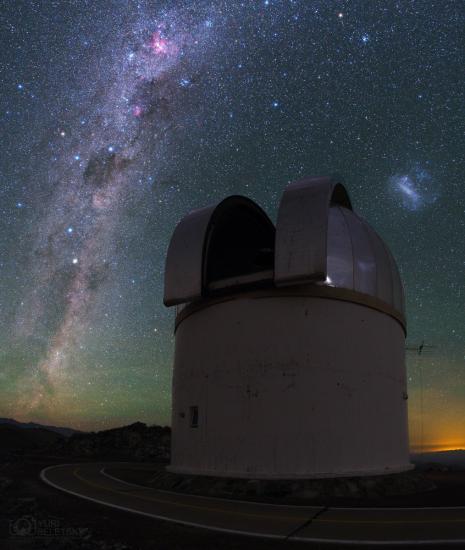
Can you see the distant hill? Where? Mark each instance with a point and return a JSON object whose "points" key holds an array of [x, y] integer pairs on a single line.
{"points": [[134, 442], [66, 432], [453, 460], [14, 438]]}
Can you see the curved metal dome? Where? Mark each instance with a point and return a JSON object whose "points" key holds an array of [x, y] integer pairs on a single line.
{"points": [[319, 238], [359, 260], [319, 244], [229, 240]]}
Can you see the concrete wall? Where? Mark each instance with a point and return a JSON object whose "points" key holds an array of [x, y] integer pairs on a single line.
{"points": [[289, 387]]}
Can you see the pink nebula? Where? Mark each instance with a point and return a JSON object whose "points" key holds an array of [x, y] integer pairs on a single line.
{"points": [[137, 110], [158, 44]]}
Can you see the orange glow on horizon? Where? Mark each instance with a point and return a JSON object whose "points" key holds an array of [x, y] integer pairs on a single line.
{"points": [[436, 419], [436, 448]]}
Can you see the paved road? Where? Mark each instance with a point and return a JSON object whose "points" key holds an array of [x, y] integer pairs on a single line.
{"points": [[351, 526]]}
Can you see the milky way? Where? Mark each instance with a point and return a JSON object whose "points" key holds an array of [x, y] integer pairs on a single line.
{"points": [[119, 117], [138, 104]]}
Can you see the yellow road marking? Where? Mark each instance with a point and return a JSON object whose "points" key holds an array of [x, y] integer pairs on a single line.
{"points": [[164, 501]]}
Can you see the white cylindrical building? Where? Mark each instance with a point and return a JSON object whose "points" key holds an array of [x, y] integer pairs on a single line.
{"points": [[289, 354]]}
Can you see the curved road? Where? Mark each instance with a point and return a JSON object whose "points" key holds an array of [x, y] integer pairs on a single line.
{"points": [[351, 526]]}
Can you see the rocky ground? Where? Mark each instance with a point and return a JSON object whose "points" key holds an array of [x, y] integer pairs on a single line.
{"points": [[360, 491], [432, 486], [136, 442]]}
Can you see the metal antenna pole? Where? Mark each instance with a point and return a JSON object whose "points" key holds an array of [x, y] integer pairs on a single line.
{"points": [[420, 349]]}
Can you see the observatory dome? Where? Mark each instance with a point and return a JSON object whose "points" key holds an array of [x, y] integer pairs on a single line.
{"points": [[319, 241], [289, 340]]}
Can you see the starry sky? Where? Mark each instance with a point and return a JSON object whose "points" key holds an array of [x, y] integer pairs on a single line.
{"points": [[120, 116]]}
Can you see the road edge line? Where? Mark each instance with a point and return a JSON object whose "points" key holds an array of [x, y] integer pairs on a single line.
{"points": [[147, 514]]}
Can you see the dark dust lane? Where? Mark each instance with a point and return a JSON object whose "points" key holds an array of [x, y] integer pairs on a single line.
{"points": [[388, 526]]}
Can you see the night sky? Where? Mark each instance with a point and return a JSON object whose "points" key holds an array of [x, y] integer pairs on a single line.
{"points": [[118, 117]]}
